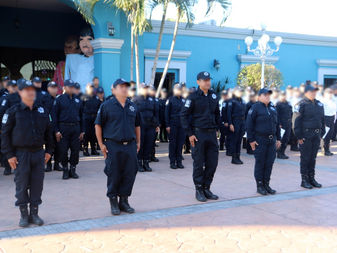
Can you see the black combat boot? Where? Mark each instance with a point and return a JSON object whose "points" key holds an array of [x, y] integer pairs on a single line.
{"points": [[221, 146], [305, 182], [173, 166], [154, 159], [180, 165], [239, 159], [114, 206], [200, 194], [7, 171], [235, 159], [313, 181], [260, 188], [124, 205], [140, 166], [86, 152], [24, 220], [146, 166], [65, 173], [49, 166], [209, 194], [57, 166], [72, 172], [268, 188], [34, 217]]}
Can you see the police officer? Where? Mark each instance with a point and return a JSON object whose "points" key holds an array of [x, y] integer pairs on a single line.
{"points": [[200, 118], [5, 81], [41, 95], [173, 126], [330, 108], [26, 127], [118, 134], [263, 134], [77, 90], [152, 95], [149, 121], [100, 94], [252, 100], [67, 121], [309, 128], [236, 121], [91, 104], [223, 129], [285, 114], [162, 103]]}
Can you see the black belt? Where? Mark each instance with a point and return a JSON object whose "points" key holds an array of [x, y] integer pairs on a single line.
{"points": [[269, 136], [316, 130], [69, 124], [29, 149], [121, 142], [205, 129]]}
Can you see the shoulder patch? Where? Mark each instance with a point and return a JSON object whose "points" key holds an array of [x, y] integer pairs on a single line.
{"points": [[167, 102], [4, 118], [320, 104], [250, 111], [43, 92], [77, 100], [213, 96], [40, 110], [3, 102], [150, 99], [132, 109], [188, 103]]}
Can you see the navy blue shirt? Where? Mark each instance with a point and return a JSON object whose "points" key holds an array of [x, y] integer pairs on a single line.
{"points": [[162, 103], [285, 113], [200, 111], [118, 123], [148, 109], [7, 101], [224, 112], [235, 110], [67, 109], [172, 111], [91, 105], [262, 120]]}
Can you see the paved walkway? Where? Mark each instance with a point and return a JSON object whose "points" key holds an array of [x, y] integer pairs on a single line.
{"points": [[168, 218]]}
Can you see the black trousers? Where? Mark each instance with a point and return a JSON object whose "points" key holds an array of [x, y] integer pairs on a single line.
{"points": [[70, 140], [285, 139], [187, 144], [265, 154], [163, 133], [177, 139], [29, 175], [120, 168], [89, 129], [223, 134], [205, 156], [329, 122], [147, 138], [309, 151], [235, 138]]}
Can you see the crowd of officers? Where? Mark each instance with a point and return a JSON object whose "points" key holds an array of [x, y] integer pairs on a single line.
{"points": [[126, 125]]}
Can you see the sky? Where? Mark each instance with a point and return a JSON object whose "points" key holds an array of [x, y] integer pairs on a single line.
{"points": [[315, 17]]}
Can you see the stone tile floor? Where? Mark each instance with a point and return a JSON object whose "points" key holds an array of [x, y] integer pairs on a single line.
{"points": [[169, 219]]}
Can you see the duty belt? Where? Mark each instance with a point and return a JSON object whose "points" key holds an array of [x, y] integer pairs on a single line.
{"points": [[316, 130], [31, 149], [269, 136], [121, 142], [205, 129]]}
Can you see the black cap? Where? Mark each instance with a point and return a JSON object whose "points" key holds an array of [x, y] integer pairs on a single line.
{"points": [[37, 80], [265, 91], [100, 90], [77, 86], [204, 75], [5, 78], [310, 88], [12, 83], [25, 84], [69, 83], [120, 81], [177, 86], [52, 84]]}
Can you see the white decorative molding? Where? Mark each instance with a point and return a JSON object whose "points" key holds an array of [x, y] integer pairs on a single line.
{"points": [[202, 30], [106, 52], [327, 63], [107, 43], [179, 65], [165, 53]]}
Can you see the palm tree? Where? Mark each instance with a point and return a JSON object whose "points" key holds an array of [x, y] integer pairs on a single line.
{"points": [[184, 8]]}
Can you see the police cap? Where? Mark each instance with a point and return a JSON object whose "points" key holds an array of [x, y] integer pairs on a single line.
{"points": [[69, 83], [204, 75], [52, 84], [265, 91], [310, 88], [37, 80], [25, 84], [100, 90], [121, 81]]}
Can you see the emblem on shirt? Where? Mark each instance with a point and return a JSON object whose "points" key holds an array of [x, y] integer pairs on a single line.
{"points": [[188, 103], [40, 110], [77, 100], [3, 103], [273, 108], [167, 102], [320, 104], [132, 109], [213, 96], [150, 99], [43, 92], [5, 118], [250, 111]]}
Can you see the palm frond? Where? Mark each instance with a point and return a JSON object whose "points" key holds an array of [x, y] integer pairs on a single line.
{"points": [[225, 5], [86, 9]]}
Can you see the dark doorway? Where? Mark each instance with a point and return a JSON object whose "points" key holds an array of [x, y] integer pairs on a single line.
{"points": [[168, 83], [329, 80]]}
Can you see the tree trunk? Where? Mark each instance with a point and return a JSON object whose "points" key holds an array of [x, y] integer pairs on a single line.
{"points": [[161, 31], [131, 57], [137, 62], [170, 54]]}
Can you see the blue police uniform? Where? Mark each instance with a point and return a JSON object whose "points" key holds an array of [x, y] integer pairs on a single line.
{"points": [[177, 134], [236, 116], [309, 127], [263, 127], [200, 116], [163, 133], [24, 133], [148, 121], [67, 119], [248, 147], [285, 114], [157, 108]]}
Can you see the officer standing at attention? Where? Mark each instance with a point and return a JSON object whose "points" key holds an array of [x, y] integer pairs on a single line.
{"points": [[200, 117], [41, 95], [118, 134], [223, 129], [173, 126], [162, 103], [236, 121], [26, 127], [5, 81], [152, 95], [252, 100], [285, 114], [67, 121], [263, 133], [309, 128]]}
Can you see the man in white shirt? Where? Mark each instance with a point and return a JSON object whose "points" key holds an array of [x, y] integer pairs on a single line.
{"points": [[330, 109]]}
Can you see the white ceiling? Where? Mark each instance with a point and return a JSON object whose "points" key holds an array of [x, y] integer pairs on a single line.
{"points": [[48, 5]]}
